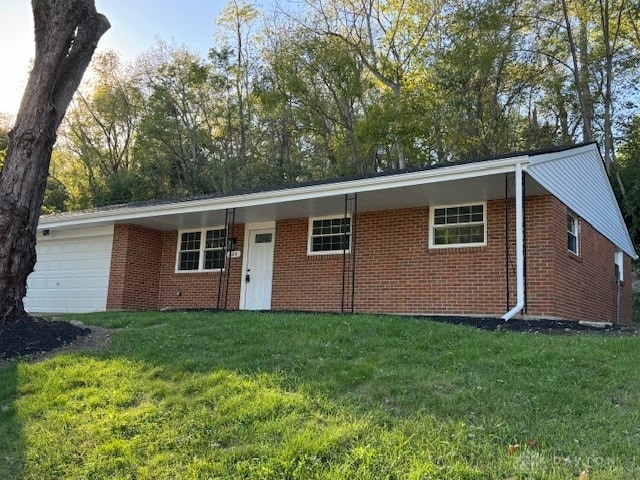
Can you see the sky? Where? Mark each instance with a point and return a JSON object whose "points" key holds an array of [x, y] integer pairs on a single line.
{"points": [[135, 25]]}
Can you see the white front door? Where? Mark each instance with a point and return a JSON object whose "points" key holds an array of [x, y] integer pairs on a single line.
{"points": [[258, 272]]}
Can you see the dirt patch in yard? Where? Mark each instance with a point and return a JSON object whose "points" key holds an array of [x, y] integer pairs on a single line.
{"points": [[39, 337]]}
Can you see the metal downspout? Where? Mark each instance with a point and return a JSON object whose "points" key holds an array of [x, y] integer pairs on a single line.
{"points": [[506, 239], [618, 281], [520, 298]]}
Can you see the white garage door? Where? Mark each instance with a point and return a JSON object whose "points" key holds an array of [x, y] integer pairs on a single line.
{"points": [[71, 272]]}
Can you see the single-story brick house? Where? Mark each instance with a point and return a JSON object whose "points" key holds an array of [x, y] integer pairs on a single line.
{"points": [[536, 233]]}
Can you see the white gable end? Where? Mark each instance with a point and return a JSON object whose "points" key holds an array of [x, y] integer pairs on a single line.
{"points": [[578, 178]]}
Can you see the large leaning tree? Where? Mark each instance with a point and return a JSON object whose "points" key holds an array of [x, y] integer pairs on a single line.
{"points": [[66, 36]]}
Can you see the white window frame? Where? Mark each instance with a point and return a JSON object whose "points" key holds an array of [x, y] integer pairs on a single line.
{"points": [[433, 227], [310, 235], [575, 233], [202, 250]]}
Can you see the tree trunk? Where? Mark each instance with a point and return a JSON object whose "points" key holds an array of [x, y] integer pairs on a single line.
{"points": [[580, 71], [584, 84], [66, 35], [402, 161]]}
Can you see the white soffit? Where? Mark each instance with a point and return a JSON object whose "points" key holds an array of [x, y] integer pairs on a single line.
{"points": [[578, 178]]}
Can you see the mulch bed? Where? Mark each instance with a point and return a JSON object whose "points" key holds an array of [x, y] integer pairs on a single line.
{"points": [[29, 335], [531, 326]]}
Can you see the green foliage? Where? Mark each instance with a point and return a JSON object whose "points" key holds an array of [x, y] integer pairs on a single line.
{"points": [[484, 81], [102, 129], [251, 395], [332, 89], [55, 197], [628, 171], [4, 139], [67, 187], [175, 148], [319, 86]]}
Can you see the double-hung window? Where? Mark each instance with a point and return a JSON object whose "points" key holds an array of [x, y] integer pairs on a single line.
{"points": [[329, 235], [458, 226], [573, 233], [201, 250]]}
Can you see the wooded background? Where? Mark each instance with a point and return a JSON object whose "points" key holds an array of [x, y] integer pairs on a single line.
{"points": [[328, 88]]}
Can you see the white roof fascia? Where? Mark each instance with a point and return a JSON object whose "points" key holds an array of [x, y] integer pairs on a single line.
{"points": [[569, 152], [578, 178], [423, 177]]}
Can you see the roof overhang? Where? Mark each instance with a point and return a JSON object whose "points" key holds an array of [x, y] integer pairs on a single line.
{"points": [[453, 184], [575, 175]]}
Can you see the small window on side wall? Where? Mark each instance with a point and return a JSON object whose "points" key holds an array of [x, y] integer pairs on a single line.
{"points": [[195, 255], [573, 233], [458, 226]]}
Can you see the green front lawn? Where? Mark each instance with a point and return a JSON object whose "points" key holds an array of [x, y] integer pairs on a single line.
{"points": [[253, 395]]}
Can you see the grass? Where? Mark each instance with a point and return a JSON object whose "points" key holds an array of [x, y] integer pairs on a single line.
{"points": [[254, 395]]}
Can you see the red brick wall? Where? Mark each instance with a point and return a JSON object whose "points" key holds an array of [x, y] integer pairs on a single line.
{"points": [[135, 270], [562, 284], [301, 281], [186, 290], [396, 272], [395, 269]]}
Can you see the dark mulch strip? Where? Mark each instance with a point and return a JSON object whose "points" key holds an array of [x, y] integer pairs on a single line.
{"points": [[535, 326], [484, 323], [29, 335]]}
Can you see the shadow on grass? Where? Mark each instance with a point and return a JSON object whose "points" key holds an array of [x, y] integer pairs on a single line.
{"points": [[401, 365], [249, 395], [116, 417], [12, 448], [371, 364]]}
